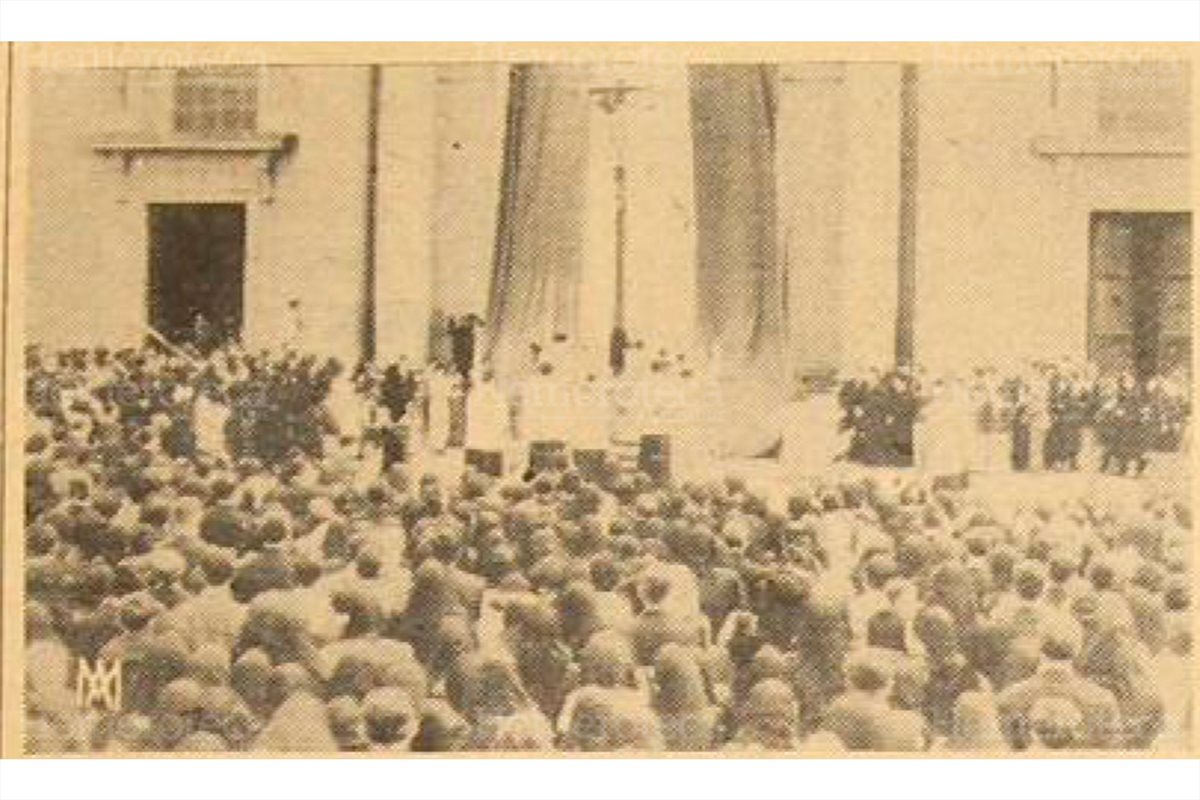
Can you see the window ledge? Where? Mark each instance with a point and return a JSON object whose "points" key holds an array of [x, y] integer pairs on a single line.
{"points": [[1083, 147], [269, 151], [138, 145]]}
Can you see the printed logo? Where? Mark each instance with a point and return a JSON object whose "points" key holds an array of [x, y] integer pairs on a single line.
{"points": [[98, 686]]}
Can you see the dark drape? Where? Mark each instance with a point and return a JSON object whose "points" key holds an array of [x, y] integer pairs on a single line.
{"points": [[739, 279], [540, 226]]}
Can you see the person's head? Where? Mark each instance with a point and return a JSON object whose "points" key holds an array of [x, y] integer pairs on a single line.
{"points": [[40, 538], [453, 637], [250, 676], [1061, 641], [578, 612], [39, 622], [209, 665], [1149, 577], [769, 716], [442, 729], [348, 724], [430, 489], [290, 679], [496, 690], [605, 572], [886, 630], [1002, 563], [368, 563], [866, 673], [273, 530], [603, 722], [432, 594], [1176, 597], [1030, 581], [679, 681], [1062, 567], [607, 660], [391, 719], [770, 662], [653, 591], [1103, 577], [976, 725], [878, 569], [177, 704], [363, 610], [1056, 723], [935, 627], [137, 610]]}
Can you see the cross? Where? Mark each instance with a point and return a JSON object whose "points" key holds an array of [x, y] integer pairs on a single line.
{"points": [[611, 98]]}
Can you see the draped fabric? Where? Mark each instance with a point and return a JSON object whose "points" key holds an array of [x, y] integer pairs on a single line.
{"points": [[739, 279], [538, 258]]}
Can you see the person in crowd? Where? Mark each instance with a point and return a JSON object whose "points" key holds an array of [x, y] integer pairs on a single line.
{"points": [[1127, 419], [462, 332], [210, 416]]}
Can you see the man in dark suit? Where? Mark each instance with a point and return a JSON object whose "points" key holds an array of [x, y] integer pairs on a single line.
{"points": [[618, 343], [462, 343]]}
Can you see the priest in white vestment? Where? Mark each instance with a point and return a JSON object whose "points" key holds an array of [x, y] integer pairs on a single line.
{"points": [[210, 417], [812, 439], [487, 416]]}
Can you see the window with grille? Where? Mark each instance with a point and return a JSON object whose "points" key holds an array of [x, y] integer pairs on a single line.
{"points": [[1141, 291], [216, 102], [1143, 99]]}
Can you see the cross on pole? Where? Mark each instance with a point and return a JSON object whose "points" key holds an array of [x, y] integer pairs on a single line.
{"points": [[610, 99]]}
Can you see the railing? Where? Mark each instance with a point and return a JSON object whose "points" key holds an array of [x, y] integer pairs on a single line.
{"points": [[154, 334]]}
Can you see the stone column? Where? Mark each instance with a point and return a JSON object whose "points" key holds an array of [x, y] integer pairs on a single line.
{"points": [[468, 108], [403, 251], [811, 175], [871, 210]]}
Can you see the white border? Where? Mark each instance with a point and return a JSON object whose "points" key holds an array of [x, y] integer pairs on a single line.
{"points": [[666, 20], [551, 780], [592, 20]]}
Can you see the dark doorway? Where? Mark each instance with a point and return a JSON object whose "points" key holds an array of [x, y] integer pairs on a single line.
{"points": [[197, 264], [1141, 291]]}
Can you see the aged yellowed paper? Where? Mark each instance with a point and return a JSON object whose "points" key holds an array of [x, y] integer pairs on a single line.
{"points": [[629, 399]]}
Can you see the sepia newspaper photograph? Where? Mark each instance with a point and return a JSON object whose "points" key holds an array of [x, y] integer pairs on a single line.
{"points": [[639, 400]]}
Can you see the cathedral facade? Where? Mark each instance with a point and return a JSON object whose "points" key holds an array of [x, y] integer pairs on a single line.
{"points": [[809, 217]]}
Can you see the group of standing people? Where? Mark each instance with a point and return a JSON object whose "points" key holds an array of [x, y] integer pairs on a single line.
{"points": [[1045, 418]]}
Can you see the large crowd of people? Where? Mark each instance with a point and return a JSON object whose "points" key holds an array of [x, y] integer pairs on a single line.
{"points": [[269, 547]]}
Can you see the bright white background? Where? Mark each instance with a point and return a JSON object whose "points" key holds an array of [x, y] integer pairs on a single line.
{"points": [[588, 20], [673, 779], [853, 20]]}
